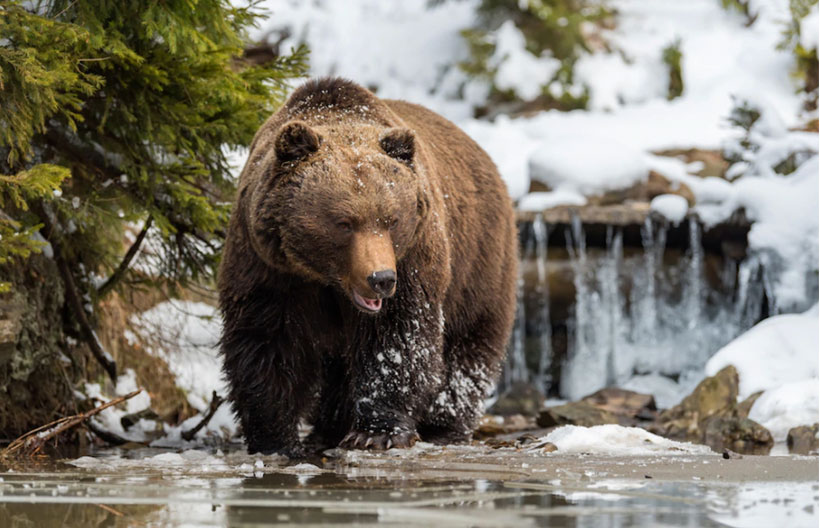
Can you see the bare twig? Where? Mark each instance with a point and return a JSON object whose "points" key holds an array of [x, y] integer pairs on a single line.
{"points": [[35, 439], [115, 277], [216, 401], [111, 510]]}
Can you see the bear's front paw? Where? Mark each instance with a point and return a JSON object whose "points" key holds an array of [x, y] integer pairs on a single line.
{"points": [[379, 441]]}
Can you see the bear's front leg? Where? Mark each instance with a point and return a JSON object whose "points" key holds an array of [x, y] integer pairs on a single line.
{"points": [[397, 369], [271, 379]]}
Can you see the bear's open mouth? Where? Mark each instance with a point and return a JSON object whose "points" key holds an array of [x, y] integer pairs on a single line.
{"points": [[368, 305]]}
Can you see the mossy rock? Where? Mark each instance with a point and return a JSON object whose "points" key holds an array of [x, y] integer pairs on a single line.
{"points": [[715, 395], [802, 440], [741, 435]]}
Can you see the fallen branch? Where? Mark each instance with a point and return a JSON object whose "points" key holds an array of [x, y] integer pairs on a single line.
{"points": [[216, 401], [34, 440]]}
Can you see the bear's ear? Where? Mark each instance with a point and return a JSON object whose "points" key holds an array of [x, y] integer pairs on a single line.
{"points": [[296, 141], [399, 144]]}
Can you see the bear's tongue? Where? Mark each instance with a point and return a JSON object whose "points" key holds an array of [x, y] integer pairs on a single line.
{"points": [[374, 305]]}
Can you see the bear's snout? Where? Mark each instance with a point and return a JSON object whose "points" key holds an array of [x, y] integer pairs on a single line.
{"points": [[383, 282]]}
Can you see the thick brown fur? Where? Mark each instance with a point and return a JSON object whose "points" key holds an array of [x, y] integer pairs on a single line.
{"points": [[340, 185]]}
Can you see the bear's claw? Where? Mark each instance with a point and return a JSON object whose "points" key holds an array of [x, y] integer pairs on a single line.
{"points": [[379, 442]]}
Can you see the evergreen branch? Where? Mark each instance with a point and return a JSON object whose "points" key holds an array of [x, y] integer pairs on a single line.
{"points": [[115, 277]]}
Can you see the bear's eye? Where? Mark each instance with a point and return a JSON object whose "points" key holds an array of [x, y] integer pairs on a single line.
{"points": [[345, 226], [393, 223]]}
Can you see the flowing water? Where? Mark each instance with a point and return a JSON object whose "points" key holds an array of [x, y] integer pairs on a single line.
{"points": [[643, 318]]}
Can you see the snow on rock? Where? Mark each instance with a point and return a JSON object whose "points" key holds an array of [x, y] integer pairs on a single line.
{"points": [[539, 201], [587, 164], [616, 440], [778, 350], [777, 356], [110, 418], [671, 206], [785, 223], [790, 405]]}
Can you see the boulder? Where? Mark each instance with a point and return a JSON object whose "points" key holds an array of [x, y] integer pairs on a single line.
{"points": [[655, 185], [521, 398], [802, 440], [576, 413], [712, 416], [736, 434], [713, 396], [629, 406]]}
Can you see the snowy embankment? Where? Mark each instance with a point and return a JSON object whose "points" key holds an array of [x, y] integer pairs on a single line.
{"points": [[779, 357], [185, 335]]}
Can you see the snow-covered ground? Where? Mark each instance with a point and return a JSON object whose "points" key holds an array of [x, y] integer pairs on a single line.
{"points": [[184, 334]]}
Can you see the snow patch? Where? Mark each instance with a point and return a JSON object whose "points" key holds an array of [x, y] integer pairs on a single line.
{"points": [[540, 201], [616, 440], [777, 351], [671, 206], [587, 164], [790, 405]]}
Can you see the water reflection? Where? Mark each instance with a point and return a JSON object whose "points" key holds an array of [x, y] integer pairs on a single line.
{"points": [[72, 498]]}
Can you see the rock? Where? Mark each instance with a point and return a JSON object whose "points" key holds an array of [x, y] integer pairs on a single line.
{"points": [[521, 398], [576, 413], [630, 407], [712, 416], [713, 396], [490, 426], [712, 161], [543, 447], [737, 434], [655, 185], [745, 406], [621, 214], [802, 440]]}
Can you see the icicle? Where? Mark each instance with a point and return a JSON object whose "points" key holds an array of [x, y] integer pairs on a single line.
{"points": [[693, 283], [611, 303], [542, 289]]}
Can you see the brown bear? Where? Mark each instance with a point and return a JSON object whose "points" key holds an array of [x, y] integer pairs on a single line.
{"points": [[369, 273]]}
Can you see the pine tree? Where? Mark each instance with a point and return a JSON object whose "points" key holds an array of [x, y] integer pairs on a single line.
{"points": [[120, 114]]}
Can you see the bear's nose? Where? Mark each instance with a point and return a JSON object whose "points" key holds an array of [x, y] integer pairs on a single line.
{"points": [[382, 282]]}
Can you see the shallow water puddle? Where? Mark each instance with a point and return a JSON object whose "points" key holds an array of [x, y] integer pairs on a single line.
{"points": [[419, 487]]}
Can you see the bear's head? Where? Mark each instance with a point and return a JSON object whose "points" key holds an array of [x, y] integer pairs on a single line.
{"points": [[340, 205]]}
